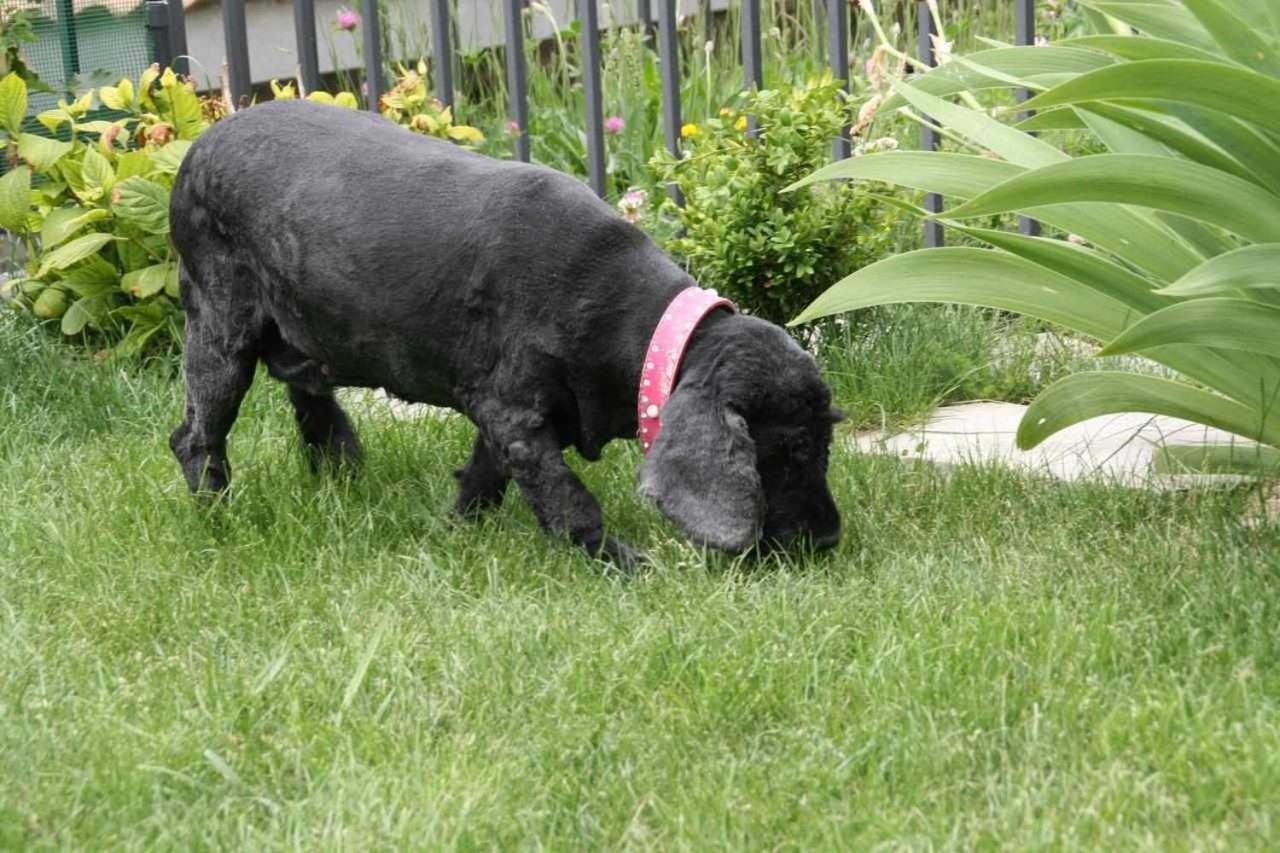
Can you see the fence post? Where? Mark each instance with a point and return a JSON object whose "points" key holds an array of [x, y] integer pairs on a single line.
{"points": [[70, 43], [669, 59], [752, 64], [1025, 27], [517, 85], [838, 58], [178, 38], [373, 79], [442, 60], [928, 136], [644, 11], [158, 28], [304, 29], [237, 42], [587, 16]]}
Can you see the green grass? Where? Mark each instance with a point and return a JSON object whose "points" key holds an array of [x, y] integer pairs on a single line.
{"points": [[986, 660]]}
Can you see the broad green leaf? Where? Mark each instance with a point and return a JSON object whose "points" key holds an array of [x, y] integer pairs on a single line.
{"points": [[13, 103], [68, 254], [1249, 146], [1236, 38], [1178, 137], [1216, 322], [1087, 395], [85, 311], [962, 175], [1063, 118], [97, 172], [984, 277], [15, 199], [143, 203], [1013, 145], [1245, 459], [991, 69], [1129, 234], [1137, 49], [92, 277], [62, 222], [1255, 266], [169, 158], [1162, 183], [1239, 92], [39, 152], [147, 281], [1160, 20], [130, 163], [54, 119]]}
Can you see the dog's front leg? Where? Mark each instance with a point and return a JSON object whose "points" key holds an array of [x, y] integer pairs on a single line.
{"points": [[531, 454]]}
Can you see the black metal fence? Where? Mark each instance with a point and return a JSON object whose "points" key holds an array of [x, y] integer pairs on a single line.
{"points": [[169, 31]]}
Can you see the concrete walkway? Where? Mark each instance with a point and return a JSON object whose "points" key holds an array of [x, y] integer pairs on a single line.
{"points": [[1115, 448]]}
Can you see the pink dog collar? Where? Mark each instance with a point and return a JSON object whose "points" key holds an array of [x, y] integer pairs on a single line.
{"points": [[666, 350]]}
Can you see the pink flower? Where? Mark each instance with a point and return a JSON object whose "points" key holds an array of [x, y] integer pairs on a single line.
{"points": [[513, 127], [614, 125], [348, 19]]}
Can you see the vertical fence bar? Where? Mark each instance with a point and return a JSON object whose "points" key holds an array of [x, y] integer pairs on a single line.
{"points": [[644, 12], [304, 33], [70, 43], [589, 18], [178, 37], [158, 28], [1025, 32], [517, 83], [237, 43], [838, 59], [928, 136], [669, 59], [442, 58], [752, 60], [374, 82]]}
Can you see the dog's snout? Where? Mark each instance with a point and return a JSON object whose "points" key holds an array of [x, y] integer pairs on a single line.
{"points": [[826, 541]]}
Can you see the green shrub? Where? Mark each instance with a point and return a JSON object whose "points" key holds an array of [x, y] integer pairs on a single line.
{"points": [[771, 252], [1176, 228], [93, 208]]}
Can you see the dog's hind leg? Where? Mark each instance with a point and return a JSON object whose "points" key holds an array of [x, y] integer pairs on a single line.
{"points": [[481, 482], [326, 431], [327, 434], [219, 355]]}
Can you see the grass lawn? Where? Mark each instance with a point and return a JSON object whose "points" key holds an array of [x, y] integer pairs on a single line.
{"points": [[986, 660]]}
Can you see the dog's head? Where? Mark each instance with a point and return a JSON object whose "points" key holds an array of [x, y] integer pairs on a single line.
{"points": [[742, 456]]}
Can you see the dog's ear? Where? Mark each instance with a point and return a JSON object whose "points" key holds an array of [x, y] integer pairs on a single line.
{"points": [[702, 472]]}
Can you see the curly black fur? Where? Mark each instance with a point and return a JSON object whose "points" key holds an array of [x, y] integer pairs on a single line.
{"points": [[341, 250]]}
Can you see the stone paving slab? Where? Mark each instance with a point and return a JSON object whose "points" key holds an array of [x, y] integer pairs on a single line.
{"points": [[1112, 448]]}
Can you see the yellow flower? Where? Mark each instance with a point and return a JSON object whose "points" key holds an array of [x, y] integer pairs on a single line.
{"points": [[690, 130], [741, 124], [283, 93], [465, 133], [725, 112]]}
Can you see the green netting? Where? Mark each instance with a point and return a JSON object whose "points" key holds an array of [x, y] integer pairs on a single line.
{"points": [[85, 43]]}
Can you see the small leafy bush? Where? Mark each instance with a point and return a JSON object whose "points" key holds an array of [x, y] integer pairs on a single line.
{"points": [[93, 208], [771, 252]]}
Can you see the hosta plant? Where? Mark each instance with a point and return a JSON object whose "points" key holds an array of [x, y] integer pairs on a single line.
{"points": [[93, 208], [1176, 227]]}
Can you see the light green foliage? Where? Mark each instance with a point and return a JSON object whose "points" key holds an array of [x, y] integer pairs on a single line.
{"points": [[771, 252], [986, 661], [96, 220], [1178, 223]]}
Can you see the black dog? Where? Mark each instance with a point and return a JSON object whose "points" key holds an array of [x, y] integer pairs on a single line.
{"points": [[342, 250]]}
